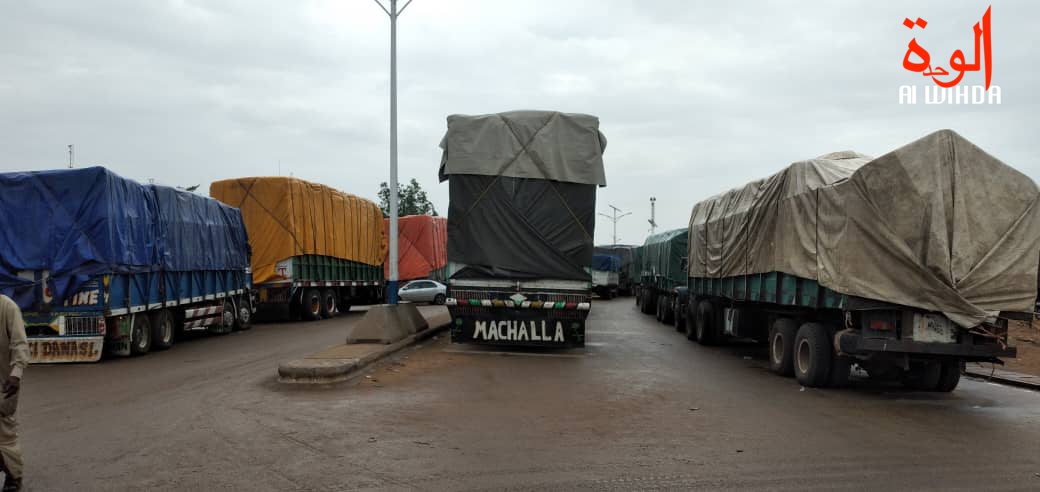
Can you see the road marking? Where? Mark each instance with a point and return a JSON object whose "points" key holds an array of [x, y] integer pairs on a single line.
{"points": [[518, 354]]}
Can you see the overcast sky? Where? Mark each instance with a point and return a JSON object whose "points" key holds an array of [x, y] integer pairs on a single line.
{"points": [[693, 96]]}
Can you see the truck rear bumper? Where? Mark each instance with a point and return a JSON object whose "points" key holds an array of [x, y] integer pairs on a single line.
{"points": [[853, 343], [518, 328], [43, 350]]}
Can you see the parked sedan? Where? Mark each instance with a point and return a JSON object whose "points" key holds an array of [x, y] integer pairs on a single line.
{"points": [[423, 291]]}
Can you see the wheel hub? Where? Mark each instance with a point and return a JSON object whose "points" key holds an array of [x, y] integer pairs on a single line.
{"points": [[804, 356]]}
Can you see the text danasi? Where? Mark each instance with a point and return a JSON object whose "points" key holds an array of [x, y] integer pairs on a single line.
{"points": [[945, 92]]}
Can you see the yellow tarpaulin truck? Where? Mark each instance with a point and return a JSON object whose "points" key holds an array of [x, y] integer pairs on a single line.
{"points": [[316, 250]]}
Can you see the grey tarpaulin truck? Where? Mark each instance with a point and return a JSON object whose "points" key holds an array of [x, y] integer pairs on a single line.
{"points": [[907, 265], [521, 218], [663, 274]]}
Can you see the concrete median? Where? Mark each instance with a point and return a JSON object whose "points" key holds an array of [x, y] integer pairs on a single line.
{"points": [[342, 362]]}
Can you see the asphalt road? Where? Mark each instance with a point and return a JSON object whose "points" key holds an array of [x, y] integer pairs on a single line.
{"points": [[639, 408]]}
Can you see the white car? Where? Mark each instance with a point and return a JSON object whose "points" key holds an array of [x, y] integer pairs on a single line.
{"points": [[423, 291]]}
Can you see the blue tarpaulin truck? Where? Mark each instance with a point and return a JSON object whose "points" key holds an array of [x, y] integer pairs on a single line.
{"points": [[98, 262]]}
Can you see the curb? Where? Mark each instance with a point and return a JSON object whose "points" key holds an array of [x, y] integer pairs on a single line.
{"points": [[328, 371], [996, 377]]}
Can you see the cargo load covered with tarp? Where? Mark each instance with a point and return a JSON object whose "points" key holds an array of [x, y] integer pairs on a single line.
{"points": [[287, 217], [626, 256], [937, 225], [606, 263], [422, 246], [76, 223], [522, 194], [663, 257]]}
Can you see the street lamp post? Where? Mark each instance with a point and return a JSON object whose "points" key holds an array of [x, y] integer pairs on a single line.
{"points": [[393, 13], [615, 220]]}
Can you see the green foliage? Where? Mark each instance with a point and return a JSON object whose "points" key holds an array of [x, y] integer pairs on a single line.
{"points": [[412, 200]]}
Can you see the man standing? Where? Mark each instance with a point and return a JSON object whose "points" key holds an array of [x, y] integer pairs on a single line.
{"points": [[14, 356]]}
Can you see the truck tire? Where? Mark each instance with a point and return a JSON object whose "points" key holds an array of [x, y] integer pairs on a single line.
{"points": [[781, 346], [922, 376], [329, 304], [812, 355], [648, 301], [244, 314], [310, 305], [690, 321], [677, 318], [705, 323], [666, 309], [140, 335], [658, 306], [950, 376], [162, 329], [227, 319]]}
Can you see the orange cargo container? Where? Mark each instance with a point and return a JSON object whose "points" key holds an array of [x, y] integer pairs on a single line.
{"points": [[422, 247]]}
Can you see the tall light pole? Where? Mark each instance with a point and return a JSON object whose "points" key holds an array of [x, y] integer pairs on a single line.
{"points": [[70, 156], [393, 13], [615, 219], [653, 224]]}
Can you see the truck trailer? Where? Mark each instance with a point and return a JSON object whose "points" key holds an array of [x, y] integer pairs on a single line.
{"points": [[422, 251], [102, 264], [316, 250], [521, 218], [628, 271], [907, 265], [605, 270], [663, 274]]}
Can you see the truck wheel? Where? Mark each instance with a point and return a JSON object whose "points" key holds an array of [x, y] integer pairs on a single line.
{"points": [[781, 346], [162, 329], [812, 355], [705, 323], [666, 309], [310, 305], [950, 376], [922, 376], [677, 318], [227, 319], [648, 302], [328, 304], [244, 318], [690, 321], [439, 299], [140, 335]]}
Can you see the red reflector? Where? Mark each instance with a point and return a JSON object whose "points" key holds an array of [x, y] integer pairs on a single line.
{"points": [[881, 325], [101, 326], [570, 305]]}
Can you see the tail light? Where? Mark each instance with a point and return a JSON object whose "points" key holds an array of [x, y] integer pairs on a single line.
{"points": [[882, 325], [101, 326]]}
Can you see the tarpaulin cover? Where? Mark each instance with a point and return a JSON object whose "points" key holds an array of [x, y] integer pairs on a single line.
{"points": [[606, 263], [76, 223], [626, 255], [663, 254], [525, 144], [937, 224], [517, 228], [523, 193], [286, 217], [422, 246]]}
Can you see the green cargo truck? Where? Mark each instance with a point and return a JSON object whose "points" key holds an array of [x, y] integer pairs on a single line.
{"points": [[663, 270], [907, 265]]}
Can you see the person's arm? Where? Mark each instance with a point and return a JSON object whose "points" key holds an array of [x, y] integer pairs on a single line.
{"points": [[19, 346]]}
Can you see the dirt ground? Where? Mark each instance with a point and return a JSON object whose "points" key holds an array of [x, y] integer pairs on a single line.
{"points": [[1027, 339]]}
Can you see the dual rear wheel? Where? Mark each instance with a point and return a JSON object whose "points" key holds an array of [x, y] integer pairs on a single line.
{"points": [[806, 353]]}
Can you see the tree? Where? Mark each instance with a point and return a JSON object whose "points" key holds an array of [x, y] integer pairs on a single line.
{"points": [[411, 200]]}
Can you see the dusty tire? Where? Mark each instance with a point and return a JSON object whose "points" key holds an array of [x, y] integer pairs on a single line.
{"points": [[439, 299], [329, 304], [648, 302], [841, 368], [162, 329], [677, 318], [666, 309], [781, 346], [690, 321], [140, 335], [705, 323], [812, 355], [950, 376], [244, 314], [310, 305], [922, 376], [227, 319]]}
